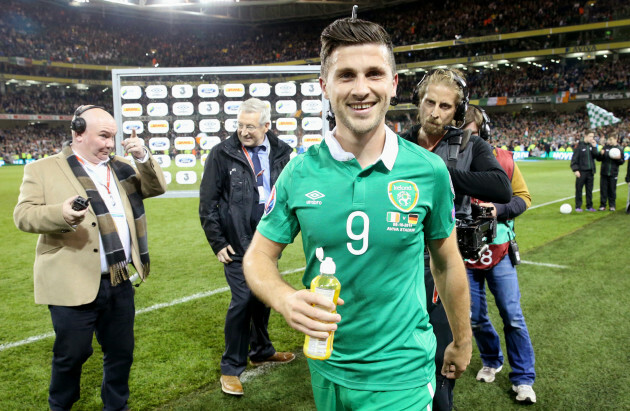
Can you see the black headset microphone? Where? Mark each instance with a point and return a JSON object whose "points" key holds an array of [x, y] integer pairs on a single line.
{"points": [[484, 129], [78, 124], [462, 107]]}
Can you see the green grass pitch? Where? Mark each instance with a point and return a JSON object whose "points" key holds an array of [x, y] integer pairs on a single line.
{"points": [[577, 315]]}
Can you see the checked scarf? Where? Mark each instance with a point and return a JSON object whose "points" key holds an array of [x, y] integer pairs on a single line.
{"points": [[114, 251]]}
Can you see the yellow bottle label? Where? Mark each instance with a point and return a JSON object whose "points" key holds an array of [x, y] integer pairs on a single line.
{"points": [[321, 348]]}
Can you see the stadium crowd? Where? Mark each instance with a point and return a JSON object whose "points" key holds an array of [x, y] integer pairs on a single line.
{"points": [[30, 142], [59, 33], [538, 133], [526, 80], [602, 75], [39, 99], [542, 132], [66, 34]]}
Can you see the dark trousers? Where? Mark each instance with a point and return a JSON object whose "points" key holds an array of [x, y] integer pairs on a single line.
{"points": [[245, 325], [111, 317], [608, 191], [585, 180], [443, 398]]}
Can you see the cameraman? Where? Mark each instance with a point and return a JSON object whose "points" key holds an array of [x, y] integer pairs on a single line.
{"points": [[497, 266], [442, 99]]}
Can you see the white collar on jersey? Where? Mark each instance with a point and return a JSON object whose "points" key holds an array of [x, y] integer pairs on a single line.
{"points": [[388, 156]]}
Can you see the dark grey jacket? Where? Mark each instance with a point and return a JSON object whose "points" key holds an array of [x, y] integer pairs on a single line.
{"points": [[584, 157], [478, 174], [228, 193]]}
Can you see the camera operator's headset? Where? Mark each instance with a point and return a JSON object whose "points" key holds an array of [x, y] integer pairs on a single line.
{"points": [[460, 111], [484, 129], [78, 124], [456, 143]]}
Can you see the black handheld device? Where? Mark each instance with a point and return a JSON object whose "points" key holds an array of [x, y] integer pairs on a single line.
{"points": [[80, 203]]}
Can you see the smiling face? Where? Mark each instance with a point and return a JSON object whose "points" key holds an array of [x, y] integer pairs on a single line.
{"points": [[97, 142], [437, 109], [250, 132], [359, 85]]}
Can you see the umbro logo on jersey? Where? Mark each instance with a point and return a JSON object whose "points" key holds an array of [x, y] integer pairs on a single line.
{"points": [[314, 197]]}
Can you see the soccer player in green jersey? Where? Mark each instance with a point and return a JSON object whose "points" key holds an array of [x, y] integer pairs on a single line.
{"points": [[370, 199]]}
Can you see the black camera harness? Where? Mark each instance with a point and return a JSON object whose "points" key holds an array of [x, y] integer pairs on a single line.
{"points": [[456, 145]]}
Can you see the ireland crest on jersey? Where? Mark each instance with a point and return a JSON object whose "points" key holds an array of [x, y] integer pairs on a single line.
{"points": [[403, 194]]}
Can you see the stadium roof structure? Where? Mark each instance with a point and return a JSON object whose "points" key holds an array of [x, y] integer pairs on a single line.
{"points": [[237, 11]]}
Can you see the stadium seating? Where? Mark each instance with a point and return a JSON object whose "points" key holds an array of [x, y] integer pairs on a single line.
{"points": [[60, 33]]}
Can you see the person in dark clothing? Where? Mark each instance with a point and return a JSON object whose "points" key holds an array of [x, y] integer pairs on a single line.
{"points": [[583, 166], [441, 97], [237, 180], [497, 269], [608, 173], [628, 181]]}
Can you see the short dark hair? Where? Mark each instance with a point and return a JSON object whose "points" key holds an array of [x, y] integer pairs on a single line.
{"points": [[353, 32]]}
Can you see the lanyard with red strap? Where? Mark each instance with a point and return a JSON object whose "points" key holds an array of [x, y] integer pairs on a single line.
{"points": [[251, 163], [109, 174]]}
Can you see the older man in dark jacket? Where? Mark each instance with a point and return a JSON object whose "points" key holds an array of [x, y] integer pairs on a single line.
{"points": [[237, 181]]}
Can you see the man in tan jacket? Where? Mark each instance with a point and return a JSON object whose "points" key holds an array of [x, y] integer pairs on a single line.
{"points": [[82, 255]]}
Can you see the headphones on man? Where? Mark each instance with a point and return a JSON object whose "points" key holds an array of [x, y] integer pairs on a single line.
{"points": [[460, 111], [78, 124], [484, 129]]}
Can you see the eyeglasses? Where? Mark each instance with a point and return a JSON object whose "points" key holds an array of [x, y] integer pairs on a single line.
{"points": [[248, 127]]}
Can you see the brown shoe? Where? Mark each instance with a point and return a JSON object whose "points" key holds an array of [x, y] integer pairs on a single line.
{"points": [[230, 384], [278, 357]]}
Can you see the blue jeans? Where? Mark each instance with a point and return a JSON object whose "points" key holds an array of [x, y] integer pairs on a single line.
{"points": [[503, 283]]}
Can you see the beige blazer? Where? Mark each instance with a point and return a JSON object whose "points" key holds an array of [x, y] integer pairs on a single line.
{"points": [[67, 269]]}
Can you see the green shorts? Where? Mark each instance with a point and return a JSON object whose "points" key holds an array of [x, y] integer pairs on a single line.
{"points": [[330, 396]]}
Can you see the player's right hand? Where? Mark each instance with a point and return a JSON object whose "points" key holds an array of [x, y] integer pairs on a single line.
{"points": [[456, 359], [310, 313], [72, 217]]}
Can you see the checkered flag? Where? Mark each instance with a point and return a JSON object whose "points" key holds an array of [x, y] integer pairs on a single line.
{"points": [[600, 117]]}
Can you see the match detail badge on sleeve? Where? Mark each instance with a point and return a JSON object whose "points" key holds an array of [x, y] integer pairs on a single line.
{"points": [[271, 202]]}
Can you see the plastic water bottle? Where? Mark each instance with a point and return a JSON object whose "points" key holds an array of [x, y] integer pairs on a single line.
{"points": [[328, 285]]}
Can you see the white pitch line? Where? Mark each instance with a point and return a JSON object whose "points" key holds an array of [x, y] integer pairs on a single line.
{"points": [[550, 202], [256, 371], [544, 264], [154, 307], [565, 198], [182, 300], [26, 341]]}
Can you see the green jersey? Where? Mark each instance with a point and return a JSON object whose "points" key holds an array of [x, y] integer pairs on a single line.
{"points": [[373, 222]]}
